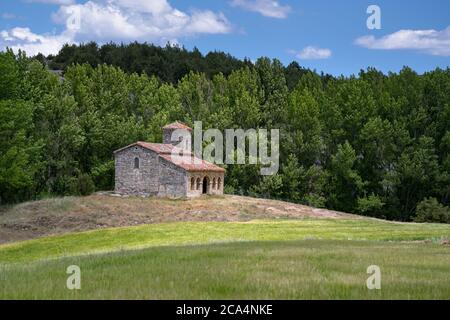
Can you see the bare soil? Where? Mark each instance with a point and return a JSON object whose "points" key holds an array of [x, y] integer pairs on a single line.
{"points": [[104, 210]]}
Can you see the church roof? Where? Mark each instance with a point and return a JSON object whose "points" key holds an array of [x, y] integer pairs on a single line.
{"points": [[177, 125], [161, 148], [191, 165], [165, 151]]}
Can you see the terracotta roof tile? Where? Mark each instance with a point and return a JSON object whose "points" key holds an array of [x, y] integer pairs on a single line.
{"points": [[192, 166], [177, 125], [165, 152], [161, 148]]}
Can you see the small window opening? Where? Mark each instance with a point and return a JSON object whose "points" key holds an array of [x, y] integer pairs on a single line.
{"points": [[136, 163]]}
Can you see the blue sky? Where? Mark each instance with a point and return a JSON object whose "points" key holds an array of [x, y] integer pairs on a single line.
{"points": [[329, 36]]}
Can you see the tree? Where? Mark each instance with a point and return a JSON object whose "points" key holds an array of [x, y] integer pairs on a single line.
{"points": [[196, 96], [370, 205], [303, 186], [376, 144], [245, 95], [274, 88], [346, 184], [430, 210], [18, 151], [305, 127], [416, 171], [293, 73], [269, 187], [10, 76]]}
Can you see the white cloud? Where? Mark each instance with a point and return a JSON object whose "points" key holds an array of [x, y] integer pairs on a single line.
{"points": [[119, 20], [5, 36], [429, 41], [24, 39], [268, 8], [154, 6], [207, 22], [312, 53]]}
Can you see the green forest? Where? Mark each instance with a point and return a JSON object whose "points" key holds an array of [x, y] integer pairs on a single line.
{"points": [[374, 144]]}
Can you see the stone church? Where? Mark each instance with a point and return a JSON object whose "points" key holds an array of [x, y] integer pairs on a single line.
{"points": [[147, 169]]}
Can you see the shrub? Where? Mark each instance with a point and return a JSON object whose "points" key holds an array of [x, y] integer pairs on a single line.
{"points": [[85, 185], [229, 189], [430, 210], [370, 205], [64, 186], [103, 175], [314, 200], [269, 187]]}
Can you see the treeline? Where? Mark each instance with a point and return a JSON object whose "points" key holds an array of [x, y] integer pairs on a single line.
{"points": [[168, 64], [375, 144]]}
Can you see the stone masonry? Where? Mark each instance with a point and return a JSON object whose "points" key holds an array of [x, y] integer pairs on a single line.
{"points": [[147, 169]]}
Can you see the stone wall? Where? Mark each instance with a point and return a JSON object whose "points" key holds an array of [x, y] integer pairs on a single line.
{"points": [[143, 181], [172, 180], [159, 177]]}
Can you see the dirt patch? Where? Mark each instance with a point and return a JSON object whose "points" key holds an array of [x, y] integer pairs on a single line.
{"points": [[69, 214]]}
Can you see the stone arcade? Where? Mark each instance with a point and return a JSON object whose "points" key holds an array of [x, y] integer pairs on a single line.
{"points": [[147, 169]]}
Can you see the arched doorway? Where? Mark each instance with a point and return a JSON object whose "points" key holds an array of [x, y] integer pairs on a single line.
{"points": [[205, 185]]}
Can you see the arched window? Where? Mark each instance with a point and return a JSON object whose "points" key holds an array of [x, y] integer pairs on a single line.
{"points": [[214, 183], [192, 183], [205, 185], [219, 183], [198, 183], [136, 163]]}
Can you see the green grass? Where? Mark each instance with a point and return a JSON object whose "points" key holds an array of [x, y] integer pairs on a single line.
{"points": [[166, 234], [277, 259], [306, 269]]}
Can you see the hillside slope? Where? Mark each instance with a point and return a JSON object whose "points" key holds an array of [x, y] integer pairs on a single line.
{"points": [[214, 248], [70, 214]]}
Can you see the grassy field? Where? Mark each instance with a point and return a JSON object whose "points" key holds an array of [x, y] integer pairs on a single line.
{"points": [[166, 234], [273, 259], [306, 269]]}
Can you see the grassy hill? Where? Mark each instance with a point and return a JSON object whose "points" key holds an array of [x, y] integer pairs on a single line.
{"points": [[71, 214], [215, 248]]}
